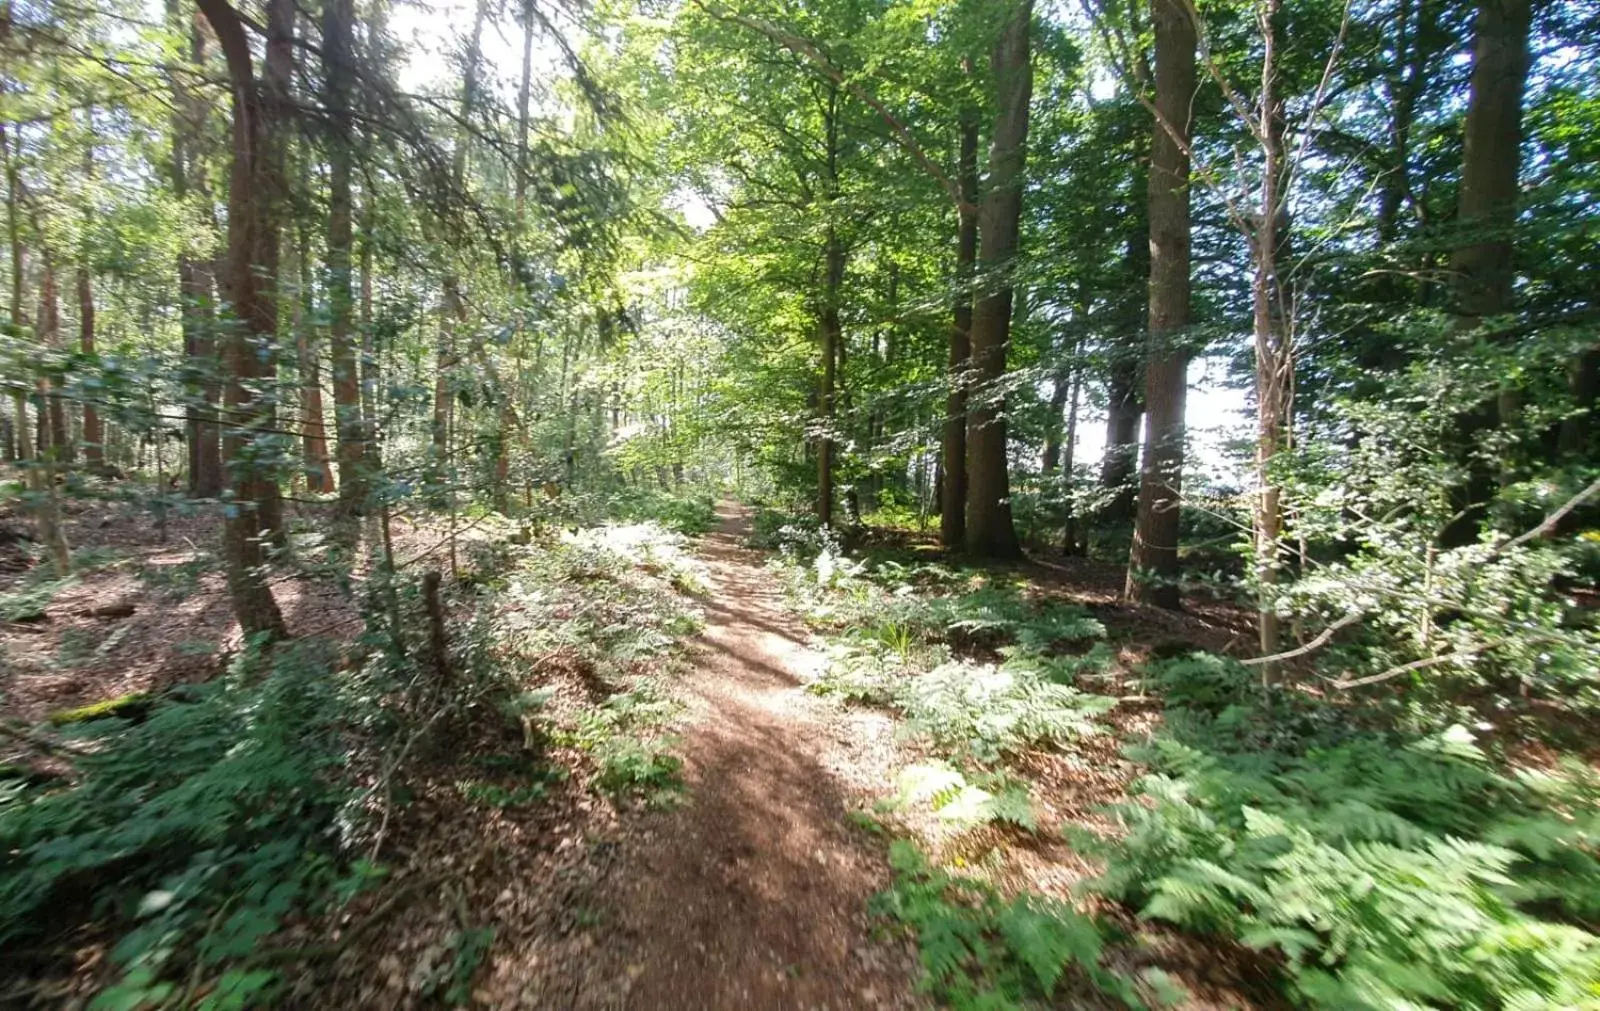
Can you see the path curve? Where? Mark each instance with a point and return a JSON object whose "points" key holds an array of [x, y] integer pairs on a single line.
{"points": [[753, 894]]}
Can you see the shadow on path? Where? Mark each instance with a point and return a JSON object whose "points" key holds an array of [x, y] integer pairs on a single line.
{"points": [[752, 894]]}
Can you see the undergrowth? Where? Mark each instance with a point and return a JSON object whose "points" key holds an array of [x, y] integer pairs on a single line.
{"points": [[188, 830], [1388, 871], [981, 951]]}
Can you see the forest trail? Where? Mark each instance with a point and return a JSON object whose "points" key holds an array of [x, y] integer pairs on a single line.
{"points": [[753, 893]]}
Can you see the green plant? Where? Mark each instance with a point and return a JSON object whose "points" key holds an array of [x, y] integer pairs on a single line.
{"points": [[1389, 872], [984, 710], [980, 951], [199, 828]]}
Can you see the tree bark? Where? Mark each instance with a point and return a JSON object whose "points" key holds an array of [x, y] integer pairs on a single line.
{"points": [[93, 431], [55, 438], [1153, 560], [953, 463], [1492, 160], [338, 42], [1481, 263], [201, 387], [1274, 353], [990, 533], [252, 189], [830, 337]]}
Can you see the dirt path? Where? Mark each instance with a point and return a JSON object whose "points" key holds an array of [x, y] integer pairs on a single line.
{"points": [[752, 895]]}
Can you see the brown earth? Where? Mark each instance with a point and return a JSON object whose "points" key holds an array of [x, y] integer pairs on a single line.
{"points": [[752, 894]]}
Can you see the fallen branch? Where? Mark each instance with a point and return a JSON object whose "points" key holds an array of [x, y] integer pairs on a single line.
{"points": [[1315, 644]]}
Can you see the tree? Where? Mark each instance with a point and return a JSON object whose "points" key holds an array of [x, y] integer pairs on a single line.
{"points": [[953, 491], [1153, 563], [253, 189], [338, 19], [989, 529]]}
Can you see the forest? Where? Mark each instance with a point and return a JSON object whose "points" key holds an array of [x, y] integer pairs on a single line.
{"points": [[678, 504]]}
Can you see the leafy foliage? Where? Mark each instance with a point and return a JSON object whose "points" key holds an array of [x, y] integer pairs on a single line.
{"points": [[1390, 872], [202, 827], [980, 951]]}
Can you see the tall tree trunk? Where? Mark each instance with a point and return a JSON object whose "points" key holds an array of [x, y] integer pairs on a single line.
{"points": [[1481, 263], [1274, 353], [1492, 160], [93, 431], [252, 201], [453, 312], [990, 533], [1153, 560], [338, 28], [1054, 419], [1072, 543], [55, 439], [953, 463], [202, 390], [316, 466], [1119, 466], [830, 337]]}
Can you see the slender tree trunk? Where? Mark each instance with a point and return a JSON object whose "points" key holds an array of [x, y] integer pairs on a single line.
{"points": [[251, 203], [202, 390], [1071, 541], [1119, 466], [990, 533], [453, 309], [93, 431], [338, 30], [1054, 419], [830, 334], [1153, 560], [55, 439], [953, 463], [316, 466], [1271, 322]]}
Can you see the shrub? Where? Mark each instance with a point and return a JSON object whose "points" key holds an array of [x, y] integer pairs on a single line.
{"points": [[1390, 872], [981, 951], [201, 828]]}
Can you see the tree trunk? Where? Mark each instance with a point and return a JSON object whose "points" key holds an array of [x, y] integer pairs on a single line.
{"points": [[1481, 263], [1274, 353], [202, 390], [953, 463], [453, 309], [1119, 467], [55, 439], [830, 336], [338, 17], [1072, 542], [316, 466], [1124, 411], [252, 191], [1053, 422], [93, 431], [1153, 560], [990, 533]]}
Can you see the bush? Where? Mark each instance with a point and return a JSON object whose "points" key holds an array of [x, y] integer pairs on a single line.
{"points": [[200, 828], [981, 951], [1389, 872], [687, 514]]}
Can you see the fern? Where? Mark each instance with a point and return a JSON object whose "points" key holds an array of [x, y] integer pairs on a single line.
{"points": [[979, 950], [1389, 873]]}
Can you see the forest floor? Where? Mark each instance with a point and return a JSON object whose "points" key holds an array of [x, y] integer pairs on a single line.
{"points": [[747, 886], [752, 894]]}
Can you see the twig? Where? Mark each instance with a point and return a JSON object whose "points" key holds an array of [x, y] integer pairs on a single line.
{"points": [[1416, 665], [1315, 644], [1550, 522]]}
